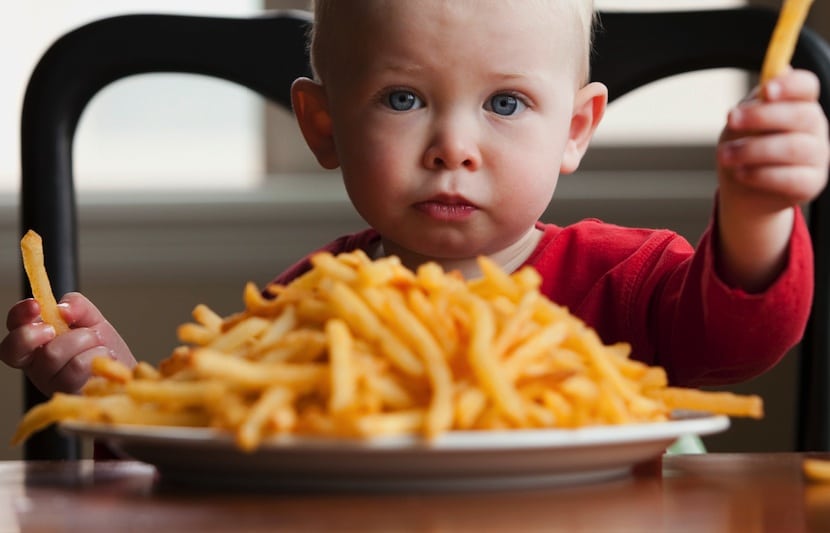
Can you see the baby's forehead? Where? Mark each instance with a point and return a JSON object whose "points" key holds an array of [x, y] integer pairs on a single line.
{"points": [[338, 21], [337, 13]]}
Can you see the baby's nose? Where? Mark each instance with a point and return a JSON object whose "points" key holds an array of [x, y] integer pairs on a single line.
{"points": [[452, 149]]}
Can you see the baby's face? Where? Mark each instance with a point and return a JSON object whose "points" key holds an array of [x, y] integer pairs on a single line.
{"points": [[451, 118]]}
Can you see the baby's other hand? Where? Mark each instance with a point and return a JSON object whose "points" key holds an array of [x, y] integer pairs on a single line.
{"points": [[774, 152], [60, 363]]}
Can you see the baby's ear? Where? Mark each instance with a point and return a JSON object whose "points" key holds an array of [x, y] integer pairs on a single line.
{"points": [[308, 99], [589, 107]]}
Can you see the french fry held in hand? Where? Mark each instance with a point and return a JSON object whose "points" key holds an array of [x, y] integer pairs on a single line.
{"points": [[361, 348], [31, 248], [816, 470], [784, 37]]}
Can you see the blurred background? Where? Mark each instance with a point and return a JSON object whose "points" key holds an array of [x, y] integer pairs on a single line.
{"points": [[190, 187]]}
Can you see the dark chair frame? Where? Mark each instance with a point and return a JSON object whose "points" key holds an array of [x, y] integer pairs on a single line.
{"points": [[266, 53]]}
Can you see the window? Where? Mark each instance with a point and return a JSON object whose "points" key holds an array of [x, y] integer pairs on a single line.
{"points": [[164, 115], [685, 110]]}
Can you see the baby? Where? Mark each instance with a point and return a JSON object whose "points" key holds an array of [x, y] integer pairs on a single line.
{"points": [[451, 121]]}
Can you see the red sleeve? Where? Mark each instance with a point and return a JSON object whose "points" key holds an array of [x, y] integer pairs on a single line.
{"points": [[653, 290], [712, 333]]}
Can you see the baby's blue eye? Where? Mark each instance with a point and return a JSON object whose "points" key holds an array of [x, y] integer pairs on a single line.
{"points": [[505, 104], [404, 101]]}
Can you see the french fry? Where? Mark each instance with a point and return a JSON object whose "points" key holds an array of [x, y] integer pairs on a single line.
{"points": [[144, 370], [122, 410], [496, 281], [380, 383], [59, 407], [250, 433], [443, 330], [246, 375], [31, 247], [276, 331], [331, 267], [539, 344], [299, 346], [111, 369], [240, 334], [101, 386], [175, 395], [205, 316], [392, 423], [784, 37], [343, 379], [469, 406], [816, 470], [720, 402], [511, 330], [197, 334]]}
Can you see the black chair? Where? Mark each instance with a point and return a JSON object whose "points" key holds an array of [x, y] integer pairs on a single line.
{"points": [[632, 49]]}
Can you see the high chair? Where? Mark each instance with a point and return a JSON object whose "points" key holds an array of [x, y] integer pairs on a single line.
{"points": [[632, 49]]}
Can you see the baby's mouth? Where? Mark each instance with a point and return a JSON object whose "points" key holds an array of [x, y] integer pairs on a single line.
{"points": [[447, 208]]}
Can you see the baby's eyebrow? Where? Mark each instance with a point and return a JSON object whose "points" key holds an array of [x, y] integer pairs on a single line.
{"points": [[401, 68], [517, 77], [513, 76]]}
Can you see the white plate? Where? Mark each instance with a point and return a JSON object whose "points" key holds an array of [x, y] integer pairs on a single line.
{"points": [[458, 459]]}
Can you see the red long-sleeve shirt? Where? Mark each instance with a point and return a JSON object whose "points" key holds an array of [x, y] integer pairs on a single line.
{"points": [[652, 289]]}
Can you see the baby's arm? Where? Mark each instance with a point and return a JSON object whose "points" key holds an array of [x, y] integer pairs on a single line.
{"points": [[60, 363], [773, 154]]}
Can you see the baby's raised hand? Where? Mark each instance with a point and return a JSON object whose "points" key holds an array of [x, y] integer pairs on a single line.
{"points": [[774, 152], [60, 363]]}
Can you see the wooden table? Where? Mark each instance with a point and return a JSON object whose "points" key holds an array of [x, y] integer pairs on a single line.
{"points": [[709, 493]]}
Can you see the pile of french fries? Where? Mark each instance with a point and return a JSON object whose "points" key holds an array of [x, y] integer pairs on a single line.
{"points": [[362, 348]]}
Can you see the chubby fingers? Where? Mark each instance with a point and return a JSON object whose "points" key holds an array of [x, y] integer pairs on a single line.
{"points": [[64, 364], [790, 166], [79, 312], [795, 149], [777, 140], [60, 363], [794, 84], [23, 312], [26, 334], [786, 103], [53, 363]]}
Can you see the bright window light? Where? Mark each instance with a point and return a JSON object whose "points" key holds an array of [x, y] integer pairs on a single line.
{"points": [[161, 131], [686, 109]]}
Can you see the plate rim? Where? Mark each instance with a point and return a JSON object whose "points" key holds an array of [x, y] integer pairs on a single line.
{"points": [[456, 460], [686, 423]]}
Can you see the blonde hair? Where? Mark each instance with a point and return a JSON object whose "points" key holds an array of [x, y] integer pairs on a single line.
{"points": [[325, 13]]}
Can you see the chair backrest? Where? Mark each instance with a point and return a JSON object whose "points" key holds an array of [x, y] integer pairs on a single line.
{"points": [[631, 50], [84, 61]]}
